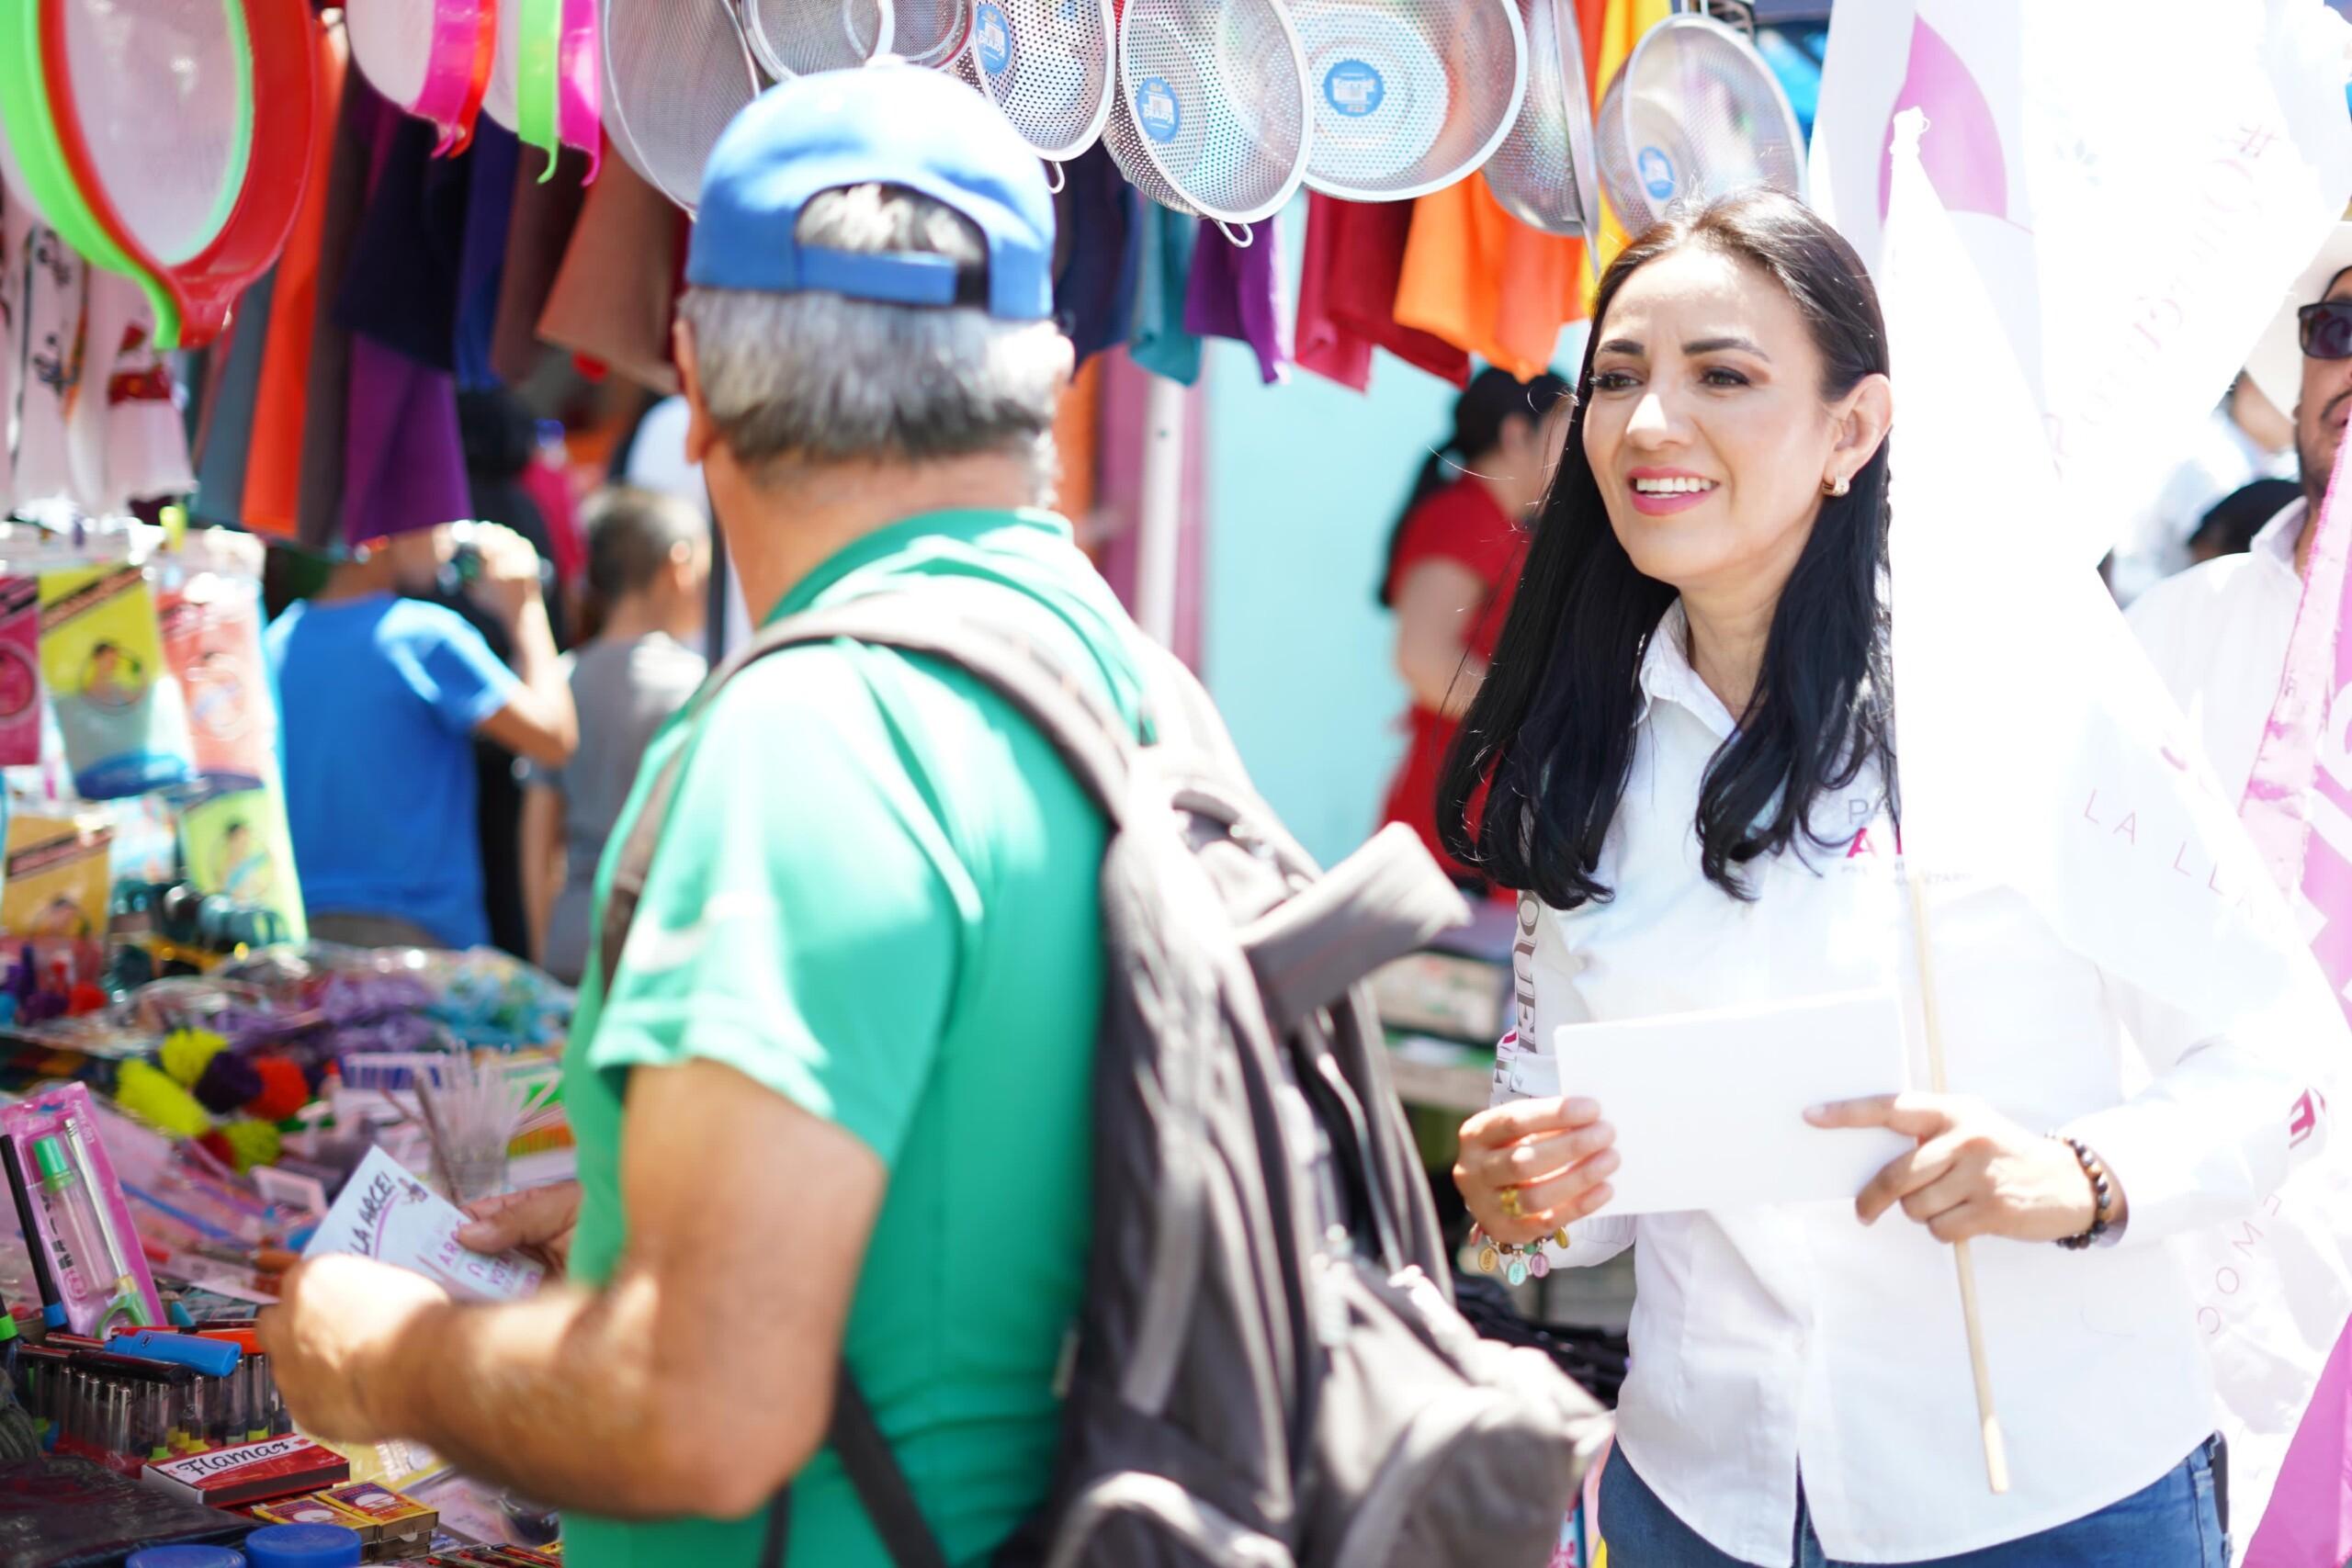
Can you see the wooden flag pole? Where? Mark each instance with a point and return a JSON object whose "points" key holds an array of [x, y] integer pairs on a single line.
{"points": [[1996, 1453]]}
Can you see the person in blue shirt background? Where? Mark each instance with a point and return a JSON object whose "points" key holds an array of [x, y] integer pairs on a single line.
{"points": [[379, 698]]}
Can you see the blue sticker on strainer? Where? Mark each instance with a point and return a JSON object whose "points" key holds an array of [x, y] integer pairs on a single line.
{"points": [[1354, 88], [992, 38], [1657, 173], [1157, 109]]}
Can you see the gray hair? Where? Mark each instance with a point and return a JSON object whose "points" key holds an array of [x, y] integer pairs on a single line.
{"points": [[816, 377]]}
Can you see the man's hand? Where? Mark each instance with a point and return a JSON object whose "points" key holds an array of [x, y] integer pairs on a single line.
{"points": [[1975, 1173], [537, 1224], [509, 571], [337, 1322]]}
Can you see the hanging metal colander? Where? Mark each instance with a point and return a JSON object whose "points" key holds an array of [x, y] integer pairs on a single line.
{"points": [[1048, 68], [676, 73], [1410, 95], [1543, 174], [1212, 116], [800, 37], [931, 33], [1695, 113]]}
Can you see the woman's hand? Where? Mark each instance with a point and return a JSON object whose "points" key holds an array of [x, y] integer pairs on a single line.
{"points": [[1975, 1173], [1532, 1165], [537, 1224]]}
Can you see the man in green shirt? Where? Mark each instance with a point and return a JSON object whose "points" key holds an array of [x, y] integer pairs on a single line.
{"points": [[835, 1101]]}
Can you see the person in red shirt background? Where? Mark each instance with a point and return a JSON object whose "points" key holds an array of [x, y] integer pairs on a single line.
{"points": [[1453, 561]]}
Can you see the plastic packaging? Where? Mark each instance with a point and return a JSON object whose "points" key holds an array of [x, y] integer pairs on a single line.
{"points": [[20, 684], [85, 1227], [102, 655], [209, 609]]}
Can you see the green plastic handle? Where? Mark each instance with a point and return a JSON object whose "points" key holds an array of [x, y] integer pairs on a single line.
{"points": [[538, 44]]}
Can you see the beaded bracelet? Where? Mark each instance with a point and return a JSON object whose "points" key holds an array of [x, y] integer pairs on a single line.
{"points": [[1518, 1263], [2102, 1189]]}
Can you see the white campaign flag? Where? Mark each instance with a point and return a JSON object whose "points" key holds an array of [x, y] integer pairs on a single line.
{"points": [[2036, 746], [2137, 187]]}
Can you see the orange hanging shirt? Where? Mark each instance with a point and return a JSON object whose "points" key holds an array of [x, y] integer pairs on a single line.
{"points": [[274, 467], [1486, 283]]}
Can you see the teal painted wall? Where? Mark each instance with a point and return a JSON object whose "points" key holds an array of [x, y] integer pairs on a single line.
{"points": [[1303, 481]]}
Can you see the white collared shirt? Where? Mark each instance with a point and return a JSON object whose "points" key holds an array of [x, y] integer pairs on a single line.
{"points": [[2218, 635], [1773, 1339]]}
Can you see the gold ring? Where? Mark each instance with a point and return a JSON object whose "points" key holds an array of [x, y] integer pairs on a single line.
{"points": [[1511, 1203]]}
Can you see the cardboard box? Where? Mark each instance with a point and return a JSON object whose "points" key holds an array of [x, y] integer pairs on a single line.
{"points": [[402, 1527], [251, 1473], [319, 1509]]}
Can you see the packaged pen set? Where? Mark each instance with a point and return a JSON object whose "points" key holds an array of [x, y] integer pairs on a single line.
{"points": [[149, 1398], [86, 1256]]}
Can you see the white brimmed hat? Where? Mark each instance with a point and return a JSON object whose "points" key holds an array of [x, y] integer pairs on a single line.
{"points": [[2277, 362]]}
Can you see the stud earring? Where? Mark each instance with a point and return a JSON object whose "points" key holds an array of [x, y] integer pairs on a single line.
{"points": [[1837, 486]]}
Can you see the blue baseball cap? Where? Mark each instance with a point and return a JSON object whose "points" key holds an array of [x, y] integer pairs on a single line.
{"points": [[886, 124]]}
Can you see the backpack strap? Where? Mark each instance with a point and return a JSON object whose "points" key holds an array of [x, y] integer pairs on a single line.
{"points": [[965, 626]]}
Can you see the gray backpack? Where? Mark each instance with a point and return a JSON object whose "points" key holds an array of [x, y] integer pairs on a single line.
{"points": [[1267, 1370]]}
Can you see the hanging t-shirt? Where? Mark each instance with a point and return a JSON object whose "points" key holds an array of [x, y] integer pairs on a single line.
{"points": [[538, 231], [282, 404], [1477, 277], [89, 416], [131, 441], [1347, 291], [44, 334], [1465, 524], [1237, 292], [1323, 344], [1159, 341], [614, 297], [1094, 286], [327, 388], [379, 698], [233, 397], [490, 206], [401, 286]]}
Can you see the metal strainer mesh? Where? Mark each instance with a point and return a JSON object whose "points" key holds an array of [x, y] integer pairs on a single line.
{"points": [[930, 33], [1409, 95], [1049, 65], [1695, 114], [675, 73], [798, 38], [163, 96], [1211, 116], [1543, 174], [391, 42]]}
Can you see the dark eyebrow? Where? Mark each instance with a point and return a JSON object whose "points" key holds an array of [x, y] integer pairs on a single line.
{"points": [[1717, 344], [1621, 345]]}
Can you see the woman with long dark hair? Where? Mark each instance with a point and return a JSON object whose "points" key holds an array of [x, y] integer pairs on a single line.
{"points": [[1684, 743], [1453, 558]]}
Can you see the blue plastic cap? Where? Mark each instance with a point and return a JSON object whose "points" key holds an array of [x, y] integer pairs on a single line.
{"points": [[304, 1546], [887, 124], [187, 1557]]}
